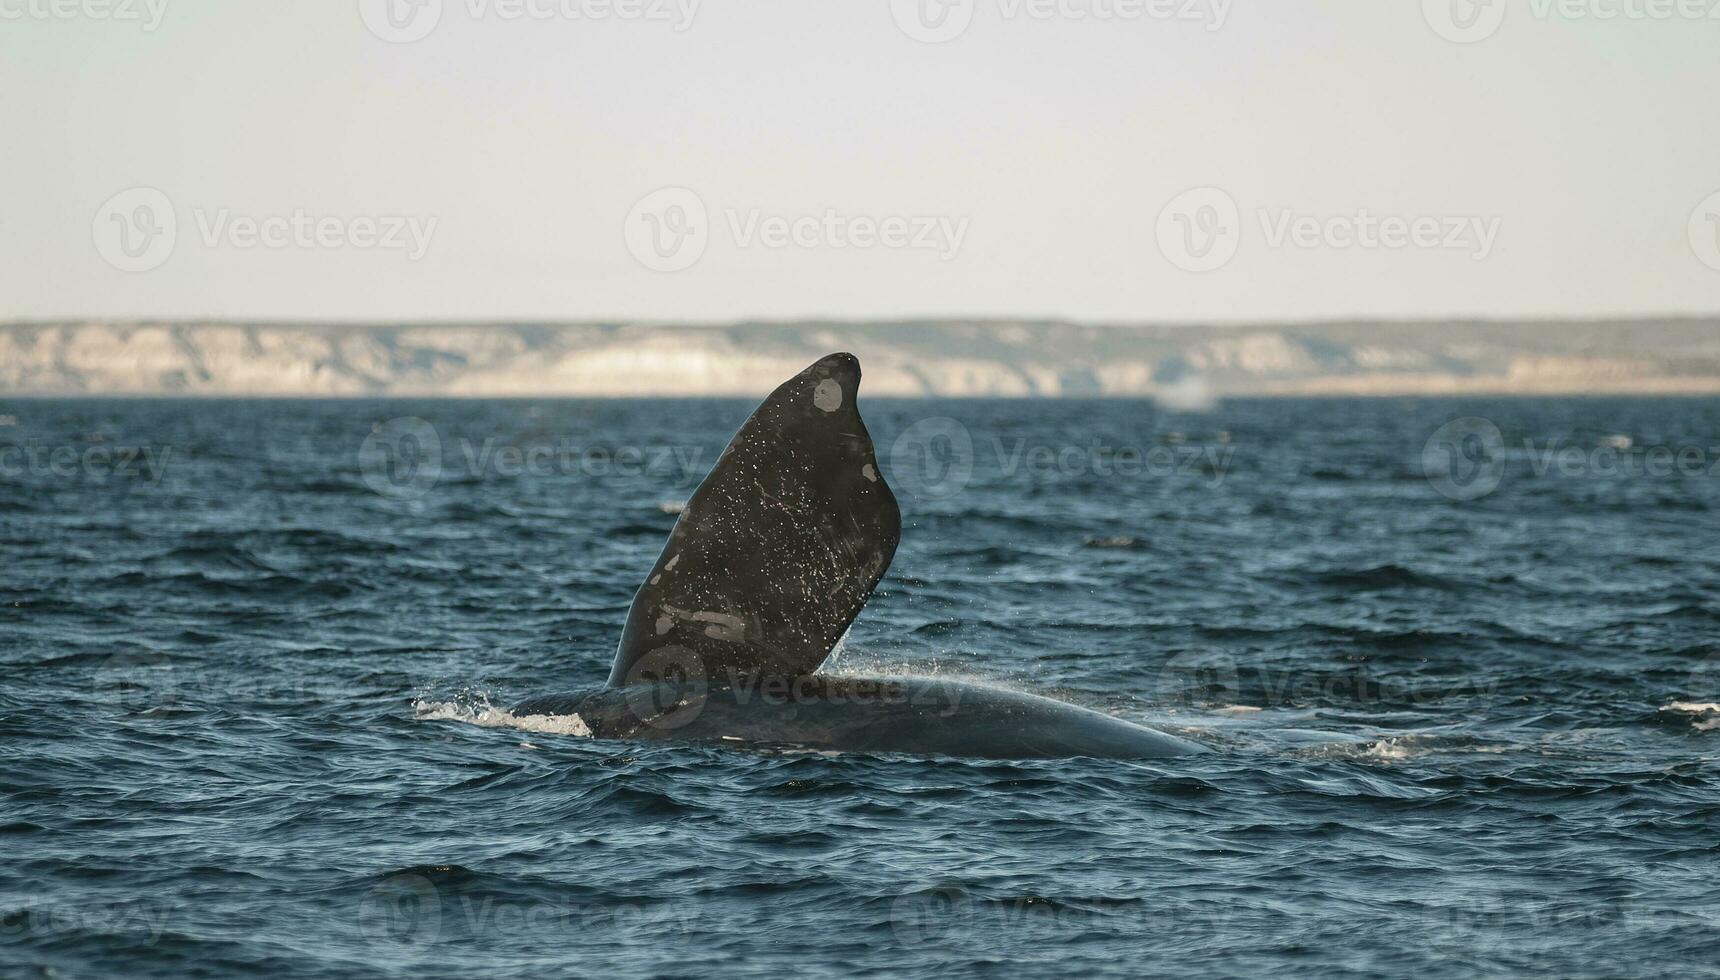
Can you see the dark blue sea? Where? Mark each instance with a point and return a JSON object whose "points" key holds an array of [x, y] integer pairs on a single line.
{"points": [[1460, 660]]}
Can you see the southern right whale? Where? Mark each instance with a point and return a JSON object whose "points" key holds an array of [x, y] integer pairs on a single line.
{"points": [[766, 568]]}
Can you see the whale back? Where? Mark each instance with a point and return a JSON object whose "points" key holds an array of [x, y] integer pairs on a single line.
{"points": [[779, 547]]}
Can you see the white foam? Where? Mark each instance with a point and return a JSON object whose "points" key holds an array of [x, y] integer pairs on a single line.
{"points": [[488, 716], [1388, 750], [1396, 748], [1707, 713]]}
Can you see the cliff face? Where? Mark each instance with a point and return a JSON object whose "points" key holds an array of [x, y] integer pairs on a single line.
{"points": [[928, 359]]}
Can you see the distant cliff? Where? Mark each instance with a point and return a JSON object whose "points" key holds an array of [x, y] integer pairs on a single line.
{"points": [[943, 358]]}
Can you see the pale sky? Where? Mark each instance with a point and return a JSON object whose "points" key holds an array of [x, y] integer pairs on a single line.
{"points": [[858, 158]]}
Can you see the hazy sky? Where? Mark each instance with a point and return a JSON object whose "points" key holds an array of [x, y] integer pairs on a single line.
{"points": [[1100, 159]]}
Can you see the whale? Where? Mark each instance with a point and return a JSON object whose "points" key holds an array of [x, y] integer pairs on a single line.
{"points": [[768, 565]]}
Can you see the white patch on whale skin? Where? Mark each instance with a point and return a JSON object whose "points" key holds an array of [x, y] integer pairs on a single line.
{"points": [[721, 631], [718, 626], [869, 473], [671, 566], [827, 396]]}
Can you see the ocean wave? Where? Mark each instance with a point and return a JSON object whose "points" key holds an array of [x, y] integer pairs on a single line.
{"points": [[1433, 706], [1380, 577]]}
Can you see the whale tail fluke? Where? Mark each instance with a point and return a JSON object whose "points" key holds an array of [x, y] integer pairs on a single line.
{"points": [[778, 549]]}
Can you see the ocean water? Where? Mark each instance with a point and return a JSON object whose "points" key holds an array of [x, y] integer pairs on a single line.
{"points": [[1460, 660]]}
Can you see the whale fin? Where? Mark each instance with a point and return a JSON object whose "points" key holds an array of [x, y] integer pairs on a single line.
{"points": [[780, 546]]}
